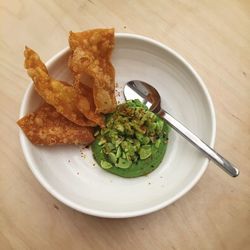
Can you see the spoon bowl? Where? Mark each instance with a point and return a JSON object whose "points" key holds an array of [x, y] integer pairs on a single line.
{"points": [[146, 93]]}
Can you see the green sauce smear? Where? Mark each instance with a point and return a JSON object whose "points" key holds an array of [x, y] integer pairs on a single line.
{"points": [[133, 143]]}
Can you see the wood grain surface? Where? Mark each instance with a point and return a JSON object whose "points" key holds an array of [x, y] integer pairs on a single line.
{"points": [[214, 36]]}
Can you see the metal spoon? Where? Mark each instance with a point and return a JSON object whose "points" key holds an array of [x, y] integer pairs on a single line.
{"points": [[149, 95]]}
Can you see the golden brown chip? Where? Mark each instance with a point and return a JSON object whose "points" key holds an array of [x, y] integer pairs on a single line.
{"points": [[85, 103], [47, 127], [59, 94], [91, 52]]}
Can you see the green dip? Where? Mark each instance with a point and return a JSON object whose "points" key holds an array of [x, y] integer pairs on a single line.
{"points": [[133, 143]]}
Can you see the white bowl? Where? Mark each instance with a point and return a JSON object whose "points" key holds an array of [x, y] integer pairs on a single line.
{"points": [[69, 175]]}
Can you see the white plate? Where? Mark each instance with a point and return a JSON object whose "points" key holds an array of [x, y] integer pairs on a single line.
{"points": [[70, 176]]}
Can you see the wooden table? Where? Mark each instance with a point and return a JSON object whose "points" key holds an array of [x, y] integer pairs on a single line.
{"points": [[214, 36]]}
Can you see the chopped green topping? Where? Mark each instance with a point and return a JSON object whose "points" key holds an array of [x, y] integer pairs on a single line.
{"points": [[112, 158], [157, 143], [106, 164], [131, 133], [159, 126], [108, 147], [118, 152], [139, 136], [119, 127], [102, 141], [145, 151], [123, 163], [124, 155]]}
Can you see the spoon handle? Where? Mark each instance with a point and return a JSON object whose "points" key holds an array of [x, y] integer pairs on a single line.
{"points": [[198, 143]]}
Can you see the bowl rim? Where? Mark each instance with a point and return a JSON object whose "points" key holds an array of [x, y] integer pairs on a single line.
{"points": [[105, 214]]}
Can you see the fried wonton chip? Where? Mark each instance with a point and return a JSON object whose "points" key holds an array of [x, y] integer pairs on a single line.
{"points": [[59, 94], [85, 103], [47, 127], [91, 52]]}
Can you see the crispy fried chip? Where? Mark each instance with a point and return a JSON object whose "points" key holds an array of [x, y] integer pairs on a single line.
{"points": [[91, 52], [59, 94], [47, 127], [85, 103]]}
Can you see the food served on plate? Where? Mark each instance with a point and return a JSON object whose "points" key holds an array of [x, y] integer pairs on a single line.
{"points": [[131, 141], [134, 141], [90, 55], [46, 126]]}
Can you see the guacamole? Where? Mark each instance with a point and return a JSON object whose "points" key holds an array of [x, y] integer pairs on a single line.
{"points": [[133, 143]]}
